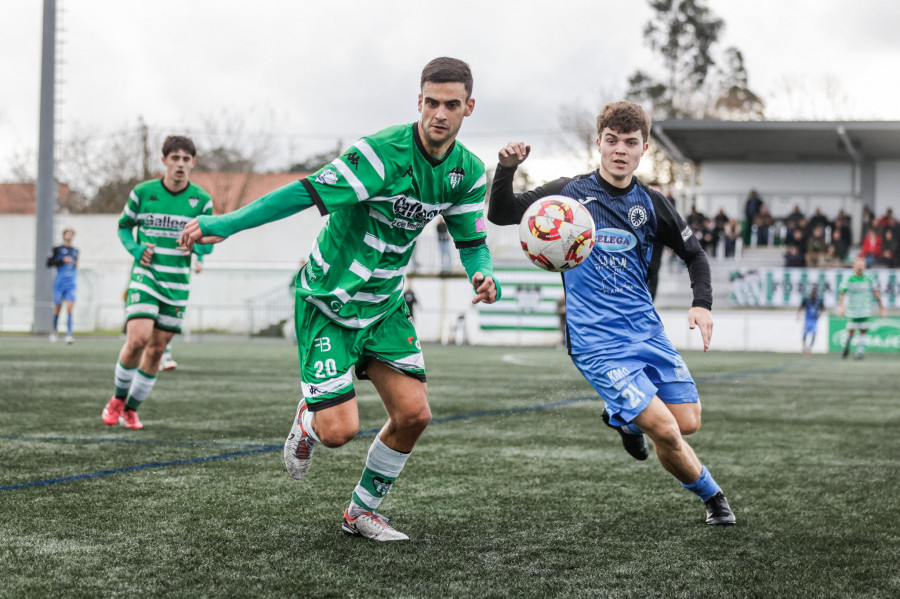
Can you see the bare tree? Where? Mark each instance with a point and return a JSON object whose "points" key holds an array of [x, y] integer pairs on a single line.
{"points": [[799, 97]]}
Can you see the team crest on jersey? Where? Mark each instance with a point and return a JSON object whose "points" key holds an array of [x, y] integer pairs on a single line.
{"points": [[327, 177], [193, 202], [686, 233], [456, 175], [637, 216]]}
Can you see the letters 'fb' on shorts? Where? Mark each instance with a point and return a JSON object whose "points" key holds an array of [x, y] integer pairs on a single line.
{"points": [[627, 378], [328, 351]]}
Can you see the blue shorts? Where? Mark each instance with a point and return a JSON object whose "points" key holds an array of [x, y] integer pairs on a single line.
{"points": [[64, 290], [809, 328], [627, 378]]}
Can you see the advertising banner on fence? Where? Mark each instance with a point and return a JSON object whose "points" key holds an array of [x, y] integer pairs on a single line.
{"points": [[883, 335], [774, 287]]}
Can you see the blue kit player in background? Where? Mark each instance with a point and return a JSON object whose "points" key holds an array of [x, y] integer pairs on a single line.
{"points": [[813, 307], [614, 335], [65, 258]]}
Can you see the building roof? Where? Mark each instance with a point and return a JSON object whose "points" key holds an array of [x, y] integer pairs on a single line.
{"points": [[778, 141], [229, 191], [18, 198]]}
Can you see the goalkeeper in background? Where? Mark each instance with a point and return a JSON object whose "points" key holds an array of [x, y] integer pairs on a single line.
{"points": [[350, 313], [160, 276]]}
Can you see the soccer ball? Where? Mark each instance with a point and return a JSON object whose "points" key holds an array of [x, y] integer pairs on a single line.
{"points": [[557, 233]]}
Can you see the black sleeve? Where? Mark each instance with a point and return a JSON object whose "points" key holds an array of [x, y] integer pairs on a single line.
{"points": [[673, 232], [53, 259], [506, 207]]}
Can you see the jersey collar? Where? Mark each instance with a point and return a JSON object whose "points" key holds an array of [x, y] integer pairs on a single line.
{"points": [[162, 182], [431, 159], [612, 189]]}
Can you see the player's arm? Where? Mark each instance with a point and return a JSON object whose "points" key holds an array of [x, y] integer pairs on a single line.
{"points": [[143, 253], [877, 293], [281, 203], [465, 223], [676, 234], [841, 308], [506, 207], [53, 259]]}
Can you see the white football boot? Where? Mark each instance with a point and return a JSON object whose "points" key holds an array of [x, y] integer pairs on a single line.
{"points": [[371, 526], [298, 449]]}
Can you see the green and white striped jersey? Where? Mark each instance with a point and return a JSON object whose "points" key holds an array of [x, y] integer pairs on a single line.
{"points": [[380, 193], [859, 294], [159, 216]]}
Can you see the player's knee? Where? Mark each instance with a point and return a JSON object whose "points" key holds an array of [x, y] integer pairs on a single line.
{"points": [[336, 435], [415, 420], [689, 424], [667, 436]]}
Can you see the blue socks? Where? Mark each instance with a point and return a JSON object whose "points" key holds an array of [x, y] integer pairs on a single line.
{"points": [[704, 487]]}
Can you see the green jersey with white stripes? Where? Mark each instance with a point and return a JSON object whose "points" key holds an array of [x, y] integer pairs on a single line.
{"points": [[159, 216], [860, 296], [379, 194]]}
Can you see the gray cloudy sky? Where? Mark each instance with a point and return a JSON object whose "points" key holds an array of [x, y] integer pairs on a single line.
{"points": [[307, 73]]}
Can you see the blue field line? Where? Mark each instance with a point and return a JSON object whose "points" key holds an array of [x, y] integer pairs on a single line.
{"points": [[263, 448], [148, 466], [134, 441]]}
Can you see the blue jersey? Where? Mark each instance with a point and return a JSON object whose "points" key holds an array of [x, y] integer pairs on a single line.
{"points": [[608, 302], [812, 307], [64, 270]]}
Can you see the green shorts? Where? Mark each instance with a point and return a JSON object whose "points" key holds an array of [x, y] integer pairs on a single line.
{"points": [[328, 351], [139, 303]]}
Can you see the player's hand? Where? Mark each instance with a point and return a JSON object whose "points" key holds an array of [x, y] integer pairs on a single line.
{"points": [[198, 267], [840, 311], [192, 234], [514, 153], [701, 317], [882, 311], [485, 287], [147, 256]]}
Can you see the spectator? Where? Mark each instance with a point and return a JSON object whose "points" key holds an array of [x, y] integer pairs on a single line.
{"points": [[793, 257], [831, 259], [816, 247], [871, 247], [764, 223], [733, 231], [409, 297], [818, 220], [720, 219], [839, 243], [751, 208], [798, 239], [889, 248], [793, 219], [695, 219], [885, 219], [709, 237], [868, 219]]}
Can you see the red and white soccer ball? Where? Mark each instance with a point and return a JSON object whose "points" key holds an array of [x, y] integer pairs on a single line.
{"points": [[557, 233]]}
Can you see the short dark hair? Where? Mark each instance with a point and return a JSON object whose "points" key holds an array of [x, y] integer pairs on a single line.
{"points": [[447, 70], [179, 142], [624, 117]]}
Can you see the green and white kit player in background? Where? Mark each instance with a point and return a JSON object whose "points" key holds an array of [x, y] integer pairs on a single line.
{"points": [[858, 289], [160, 277], [350, 313]]}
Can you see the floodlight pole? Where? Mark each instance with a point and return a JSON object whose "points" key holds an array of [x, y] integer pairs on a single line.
{"points": [[46, 189]]}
